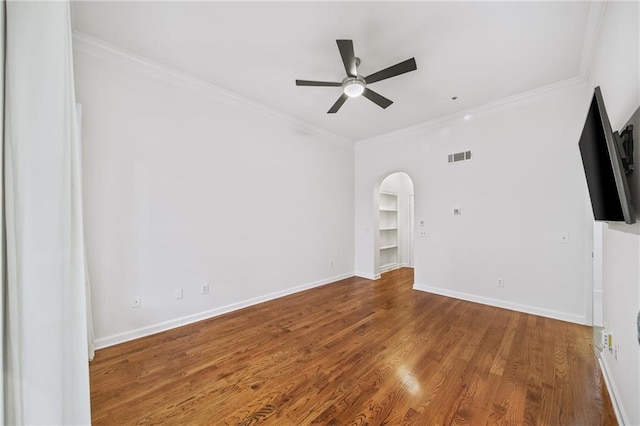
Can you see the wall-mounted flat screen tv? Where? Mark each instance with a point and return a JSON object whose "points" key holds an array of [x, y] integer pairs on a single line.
{"points": [[607, 159]]}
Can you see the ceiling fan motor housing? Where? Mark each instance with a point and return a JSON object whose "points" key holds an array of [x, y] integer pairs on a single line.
{"points": [[353, 86]]}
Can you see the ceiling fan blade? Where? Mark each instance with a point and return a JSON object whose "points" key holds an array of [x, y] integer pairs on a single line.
{"points": [[338, 104], [392, 71], [317, 83], [348, 57], [376, 98]]}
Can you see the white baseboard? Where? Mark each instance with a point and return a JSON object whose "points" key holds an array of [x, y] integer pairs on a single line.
{"points": [[367, 276], [621, 415], [563, 316], [390, 268], [377, 276], [115, 339]]}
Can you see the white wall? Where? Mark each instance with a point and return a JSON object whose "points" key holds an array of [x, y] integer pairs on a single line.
{"points": [[523, 188], [401, 185], [616, 70], [184, 186]]}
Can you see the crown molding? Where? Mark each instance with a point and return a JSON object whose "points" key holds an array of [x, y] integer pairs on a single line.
{"points": [[492, 107], [591, 36], [85, 44], [597, 11]]}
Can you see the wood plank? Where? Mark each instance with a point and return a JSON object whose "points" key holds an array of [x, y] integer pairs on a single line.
{"points": [[356, 352]]}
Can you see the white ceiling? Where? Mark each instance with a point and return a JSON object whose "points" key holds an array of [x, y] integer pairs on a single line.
{"points": [[478, 51]]}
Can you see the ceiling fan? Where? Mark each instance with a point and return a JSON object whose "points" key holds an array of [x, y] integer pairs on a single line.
{"points": [[355, 85]]}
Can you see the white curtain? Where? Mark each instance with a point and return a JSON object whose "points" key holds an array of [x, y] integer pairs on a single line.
{"points": [[46, 378], [2, 239], [77, 190]]}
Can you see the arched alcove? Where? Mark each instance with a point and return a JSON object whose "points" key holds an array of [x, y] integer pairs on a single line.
{"points": [[393, 213]]}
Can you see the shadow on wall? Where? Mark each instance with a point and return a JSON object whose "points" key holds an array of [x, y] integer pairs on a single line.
{"points": [[634, 179]]}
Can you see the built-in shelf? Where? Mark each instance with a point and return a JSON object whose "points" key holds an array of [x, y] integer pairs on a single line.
{"points": [[388, 239]]}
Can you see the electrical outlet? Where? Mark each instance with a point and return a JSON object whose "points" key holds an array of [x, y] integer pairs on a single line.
{"points": [[605, 339], [423, 233], [136, 302], [178, 293], [500, 282], [204, 288]]}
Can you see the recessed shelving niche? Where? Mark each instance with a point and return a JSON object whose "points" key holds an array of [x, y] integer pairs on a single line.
{"points": [[388, 229]]}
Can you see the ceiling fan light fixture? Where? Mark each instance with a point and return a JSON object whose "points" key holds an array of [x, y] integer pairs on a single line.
{"points": [[353, 88], [353, 84]]}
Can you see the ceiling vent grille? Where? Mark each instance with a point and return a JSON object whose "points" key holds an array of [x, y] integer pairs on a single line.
{"points": [[459, 156]]}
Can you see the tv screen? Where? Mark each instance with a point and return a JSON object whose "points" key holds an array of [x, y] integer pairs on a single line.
{"points": [[606, 178]]}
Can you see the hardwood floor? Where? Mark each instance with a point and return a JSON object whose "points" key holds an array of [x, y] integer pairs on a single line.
{"points": [[356, 352]]}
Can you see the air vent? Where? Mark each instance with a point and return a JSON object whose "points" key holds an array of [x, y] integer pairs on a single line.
{"points": [[459, 156]]}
